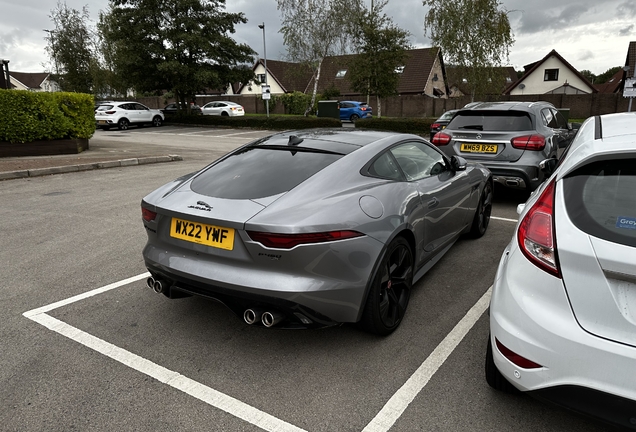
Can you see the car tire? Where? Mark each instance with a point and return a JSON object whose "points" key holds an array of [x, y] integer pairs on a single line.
{"points": [[482, 212], [106, 128], [390, 290], [157, 121], [224, 114], [354, 117], [494, 378], [123, 124]]}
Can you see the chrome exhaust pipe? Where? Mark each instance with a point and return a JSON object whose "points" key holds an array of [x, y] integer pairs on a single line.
{"points": [[512, 182], [252, 316], [159, 286], [150, 283], [270, 319]]}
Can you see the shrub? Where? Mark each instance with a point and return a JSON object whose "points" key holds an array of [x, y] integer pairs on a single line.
{"points": [[413, 125], [259, 122], [30, 116]]}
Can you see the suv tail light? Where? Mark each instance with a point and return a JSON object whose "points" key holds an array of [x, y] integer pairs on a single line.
{"points": [[289, 241], [529, 142], [441, 139], [435, 126], [363, 108], [537, 235]]}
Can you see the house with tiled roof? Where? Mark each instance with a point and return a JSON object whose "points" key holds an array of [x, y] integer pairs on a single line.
{"points": [[422, 74], [33, 81], [458, 84], [282, 77], [613, 85], [551, 75]]}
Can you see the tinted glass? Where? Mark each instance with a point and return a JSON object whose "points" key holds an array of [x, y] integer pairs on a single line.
{"points": [[447, 115], [601, 200], [560, 120], [418, 161], [508, 121], [104, 107], [548, 116], [385, 167], [259, 173]]}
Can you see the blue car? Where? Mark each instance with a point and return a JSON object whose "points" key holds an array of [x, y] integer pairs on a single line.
{"points": [[353, 110]]}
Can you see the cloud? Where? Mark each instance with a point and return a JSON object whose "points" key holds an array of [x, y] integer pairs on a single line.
{"points": [[626, 9], [626, 31], [585, 55]]}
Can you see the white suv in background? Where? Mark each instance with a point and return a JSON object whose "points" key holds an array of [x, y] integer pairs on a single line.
{"points": [[563, 306], [124, 114]]}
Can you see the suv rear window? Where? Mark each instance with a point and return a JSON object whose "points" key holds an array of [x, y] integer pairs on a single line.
{"points": [[505, 121], [600, 200], [260, 172]]}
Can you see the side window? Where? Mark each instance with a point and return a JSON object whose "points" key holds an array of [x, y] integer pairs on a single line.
{"points": [[560, 120], [221, 104], [385, 167], [549, 118], [417, 160], [140, 107]]}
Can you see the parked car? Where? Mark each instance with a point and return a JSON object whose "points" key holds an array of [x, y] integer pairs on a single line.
{"points": [[172, 108], [98, 103], [441, 122], [314, 228], [353, 110], [223, 108], [509, 138], [563, 306], [124, 114]]}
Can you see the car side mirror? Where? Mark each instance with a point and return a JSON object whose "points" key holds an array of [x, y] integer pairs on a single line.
{"points": [[458, 163], [548, 165]]}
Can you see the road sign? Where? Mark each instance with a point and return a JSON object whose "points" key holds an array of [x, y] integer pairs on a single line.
{"points": [[266, 92], [630, 88]]}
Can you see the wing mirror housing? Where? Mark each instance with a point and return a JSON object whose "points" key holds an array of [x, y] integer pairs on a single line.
{"points": [[548, 165], [458, 163]]}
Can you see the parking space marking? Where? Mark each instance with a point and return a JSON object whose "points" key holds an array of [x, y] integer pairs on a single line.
{"points": [[398, 403], [504, 219], [174, 379]]}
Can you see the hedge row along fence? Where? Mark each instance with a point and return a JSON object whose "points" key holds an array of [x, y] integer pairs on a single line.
{"points": [[417, 126], [33, 116], [259, 122]]}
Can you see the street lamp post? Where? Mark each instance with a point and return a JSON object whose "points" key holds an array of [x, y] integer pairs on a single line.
{"points": [[626, 68], [4, 65], [262, 27]]}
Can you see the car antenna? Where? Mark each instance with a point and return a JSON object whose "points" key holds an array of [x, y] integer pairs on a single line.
{"points": [[294, 140]]}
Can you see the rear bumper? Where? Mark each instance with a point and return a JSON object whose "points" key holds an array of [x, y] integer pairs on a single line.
{"points": [[517, 177], [530, 314]]}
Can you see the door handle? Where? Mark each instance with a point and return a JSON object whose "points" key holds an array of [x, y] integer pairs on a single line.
{"points": [[433, 203]]}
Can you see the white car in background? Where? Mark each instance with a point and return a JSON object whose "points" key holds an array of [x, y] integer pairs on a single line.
{"points": [[124, 114], [563, 306], [223, 108]]}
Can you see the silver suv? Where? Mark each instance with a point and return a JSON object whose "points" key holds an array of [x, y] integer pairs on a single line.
{"points": [[509, 138]]}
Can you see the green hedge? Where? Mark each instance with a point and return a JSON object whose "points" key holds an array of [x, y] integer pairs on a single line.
{"points": [[32, 116], [413, 125], [258, 122]]}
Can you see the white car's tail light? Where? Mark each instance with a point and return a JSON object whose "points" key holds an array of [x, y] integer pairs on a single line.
{"points": [[288, 241], [537, 236]]}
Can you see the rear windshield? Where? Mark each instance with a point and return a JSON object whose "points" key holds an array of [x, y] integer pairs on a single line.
{"points": [[104, 107], [505, 121], [601, 200], [259, 172], [447, 115]]}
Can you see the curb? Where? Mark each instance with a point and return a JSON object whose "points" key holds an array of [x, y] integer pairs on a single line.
{"points": [[37, 172]]}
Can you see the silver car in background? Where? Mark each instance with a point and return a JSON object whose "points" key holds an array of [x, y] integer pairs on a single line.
{"points": [[563, 306], [314, 228], [508, 138]]}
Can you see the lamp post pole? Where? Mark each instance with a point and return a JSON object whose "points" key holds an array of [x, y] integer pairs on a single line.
{"points": [[262, 27]]}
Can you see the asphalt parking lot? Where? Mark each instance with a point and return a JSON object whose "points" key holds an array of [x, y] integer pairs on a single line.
{"points": [[87, 346]]}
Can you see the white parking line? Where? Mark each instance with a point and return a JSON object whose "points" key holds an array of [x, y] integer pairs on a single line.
{"points": [[504, 219], [382, 422]]}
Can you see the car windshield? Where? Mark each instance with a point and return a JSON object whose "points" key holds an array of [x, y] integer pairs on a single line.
{"points": [[600, 200], [259, 172], [508, 121]]}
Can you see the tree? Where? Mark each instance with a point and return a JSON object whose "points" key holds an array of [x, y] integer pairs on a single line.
{"points": [[605, 76], [382, 49], [474, 35], [71, 47], [178, 45], [589, 75], [315, 29]]}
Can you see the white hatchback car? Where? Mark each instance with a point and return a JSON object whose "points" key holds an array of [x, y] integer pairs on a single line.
{"points": [[223, 108], [563, 306], [124, 114]]}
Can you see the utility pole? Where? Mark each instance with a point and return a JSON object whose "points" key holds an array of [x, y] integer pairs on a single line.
{"points": [[262, 27]]}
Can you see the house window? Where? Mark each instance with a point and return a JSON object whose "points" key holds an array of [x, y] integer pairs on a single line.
{"points": [[260, 78], [551, 75], [399, 69], [341, 73]]}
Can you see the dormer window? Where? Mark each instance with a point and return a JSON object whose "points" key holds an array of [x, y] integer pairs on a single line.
{"points": [[551, 75], [341, 73], [508, 79], [260, 78], [399, 69]]}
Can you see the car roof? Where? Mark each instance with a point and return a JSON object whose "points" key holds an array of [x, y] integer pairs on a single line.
{"points": [[601, 137], [505, 106], [356, 102]]}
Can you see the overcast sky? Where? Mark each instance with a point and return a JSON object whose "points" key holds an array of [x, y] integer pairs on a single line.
{"points": [[589, 34]]}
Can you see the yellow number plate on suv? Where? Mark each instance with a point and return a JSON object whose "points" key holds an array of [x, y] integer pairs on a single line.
{"points": [[478, 148], [209, 235]]}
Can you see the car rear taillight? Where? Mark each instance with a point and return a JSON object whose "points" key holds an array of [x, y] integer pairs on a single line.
{"points": [[363, 108], [288, 241], [435, 126], [529, 142], [537, 235], [148, 215], [520, 361], [441, 139]]}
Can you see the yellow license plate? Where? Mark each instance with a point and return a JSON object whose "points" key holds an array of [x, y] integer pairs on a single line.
{"points": [[478, 148], [102, 122], [209, 235]]}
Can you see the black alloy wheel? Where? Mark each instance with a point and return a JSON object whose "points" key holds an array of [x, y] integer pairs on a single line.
{"points": [[390, 290], [156, 121], [354, 117], [123, 124], [482, 213], [224, 114]]}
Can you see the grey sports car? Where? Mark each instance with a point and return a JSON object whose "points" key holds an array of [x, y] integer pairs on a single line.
{"points": [[314, 228]]}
